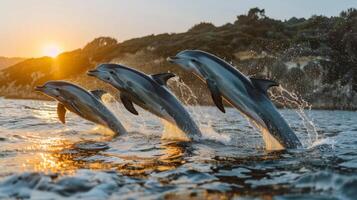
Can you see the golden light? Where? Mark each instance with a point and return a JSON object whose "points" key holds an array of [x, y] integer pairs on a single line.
{"points": [[51, 50]]}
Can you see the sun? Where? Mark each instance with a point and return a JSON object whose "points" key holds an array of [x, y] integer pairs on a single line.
{"points": [[51, 50]]}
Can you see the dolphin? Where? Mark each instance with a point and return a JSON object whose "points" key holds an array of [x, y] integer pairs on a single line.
{"points": [[85, 104], [149, 92], [248, 95]]}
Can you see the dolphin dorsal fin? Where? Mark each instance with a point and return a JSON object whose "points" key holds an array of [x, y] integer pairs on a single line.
{"points": [[263, 84], [128, 104], [61, 112], [98, 93], [162, 77], [216, 95]]}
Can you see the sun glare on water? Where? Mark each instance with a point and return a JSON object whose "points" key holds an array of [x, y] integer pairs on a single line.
{"points": [[51, 50]]}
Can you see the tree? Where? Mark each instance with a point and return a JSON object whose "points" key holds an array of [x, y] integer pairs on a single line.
{"points": [[349, 13], [256, 13], [202, 27]]}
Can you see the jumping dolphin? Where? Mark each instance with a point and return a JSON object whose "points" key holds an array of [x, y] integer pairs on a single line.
{"points": [[148, 92], [248, 95], [81, 102]]}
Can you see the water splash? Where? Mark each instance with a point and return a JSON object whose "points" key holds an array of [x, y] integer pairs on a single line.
{"points": [[292, 100], [139, 123], [324, 141], [280, 95], [168, 131], [202, 119], [271, 144], [132, 123], [172, 132]]}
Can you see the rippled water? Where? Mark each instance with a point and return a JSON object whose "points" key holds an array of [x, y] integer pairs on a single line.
{"points": [[43, 159]]}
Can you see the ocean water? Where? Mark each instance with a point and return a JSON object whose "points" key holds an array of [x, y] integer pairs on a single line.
{"points": [[40, 158]]}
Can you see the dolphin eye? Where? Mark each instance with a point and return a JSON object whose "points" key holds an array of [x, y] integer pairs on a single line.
{"points": [[57, 89], [194, 60], [111, 72]]}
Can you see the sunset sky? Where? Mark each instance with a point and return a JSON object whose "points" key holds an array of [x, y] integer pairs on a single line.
{"points": [[33, 28]]}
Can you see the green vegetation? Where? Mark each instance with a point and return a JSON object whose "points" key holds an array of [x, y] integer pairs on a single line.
{"points": [[314, 57]]}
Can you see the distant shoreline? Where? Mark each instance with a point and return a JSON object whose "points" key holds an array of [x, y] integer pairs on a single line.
{"points": [[313, 59]]}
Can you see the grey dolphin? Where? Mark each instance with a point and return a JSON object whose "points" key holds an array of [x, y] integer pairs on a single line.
{"points": [[81, 102], [150, 93], [248, 95]]}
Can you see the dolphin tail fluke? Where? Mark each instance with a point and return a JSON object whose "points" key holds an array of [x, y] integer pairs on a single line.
{"points": [[162, 77], [128, 104], [61, 112], [216, 95], [263, 84]]}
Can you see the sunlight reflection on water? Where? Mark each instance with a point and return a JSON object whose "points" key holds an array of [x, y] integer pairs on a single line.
{"points": [[141, 164]]}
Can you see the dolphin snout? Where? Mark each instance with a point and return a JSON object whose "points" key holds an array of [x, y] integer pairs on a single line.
{"points": [[92, 72], [39, 88], [172, 59]]}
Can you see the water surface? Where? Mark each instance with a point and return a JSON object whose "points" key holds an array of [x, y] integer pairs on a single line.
{"points": [[43, 159]]}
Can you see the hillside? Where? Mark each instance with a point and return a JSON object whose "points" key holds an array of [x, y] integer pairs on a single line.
{"points": [[6, 62], [315, 58]]}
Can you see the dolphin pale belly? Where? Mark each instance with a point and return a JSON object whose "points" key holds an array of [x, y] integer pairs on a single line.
{"points": [[148, 92], [248, 95], [85, 104]]}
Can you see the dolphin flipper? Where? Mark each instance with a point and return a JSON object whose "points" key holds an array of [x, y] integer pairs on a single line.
{"points": [[128, 104], [263, 84], [98, 93], [216, 95], [162, 77], [61, 112]]}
